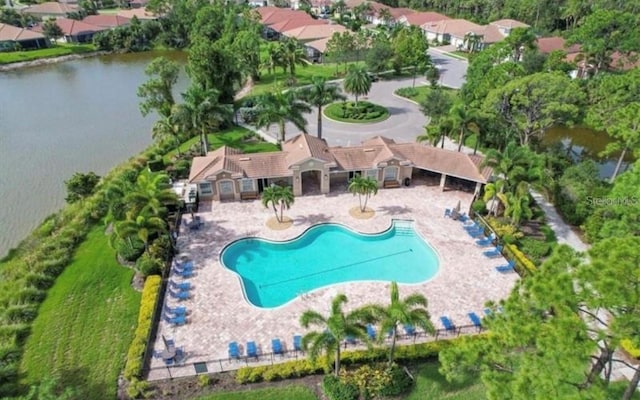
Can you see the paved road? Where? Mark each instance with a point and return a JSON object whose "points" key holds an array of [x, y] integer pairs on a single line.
{"points": [[406, 121]]}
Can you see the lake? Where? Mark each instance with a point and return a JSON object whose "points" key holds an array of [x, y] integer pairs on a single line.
{"points": [[57, 119]]}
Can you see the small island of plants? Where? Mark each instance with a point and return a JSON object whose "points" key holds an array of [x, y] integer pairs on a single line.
{"points": [[360, 112]]}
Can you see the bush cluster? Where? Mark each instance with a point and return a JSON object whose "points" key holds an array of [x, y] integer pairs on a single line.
{"points": [[523, 264], [627, 345], [135, 355], [376, 380], [336, 389], [534, 248], [303, 367]]}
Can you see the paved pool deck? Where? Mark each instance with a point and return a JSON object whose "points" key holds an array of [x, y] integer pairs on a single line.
{"points": [[219, 313]]}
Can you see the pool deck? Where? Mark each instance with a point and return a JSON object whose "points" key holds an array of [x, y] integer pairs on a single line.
{"points": [[219, 314]]}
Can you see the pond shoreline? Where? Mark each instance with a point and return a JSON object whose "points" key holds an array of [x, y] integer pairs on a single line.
{"points": [[50, 60]]}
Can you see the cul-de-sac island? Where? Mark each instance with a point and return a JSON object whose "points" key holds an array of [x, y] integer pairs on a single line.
{"points": [[343, 200]]}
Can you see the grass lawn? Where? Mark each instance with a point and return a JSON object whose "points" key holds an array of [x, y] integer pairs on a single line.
{"points": [[55, 51], [85, 325], [419, 93], [284, 393], [430, 384], [370, 112]]}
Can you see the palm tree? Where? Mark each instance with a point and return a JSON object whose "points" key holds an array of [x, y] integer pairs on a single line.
{"points": [[274, 57], [293, 54], [517, 205], [436, 132], [412, 310], [334, 329], [201, 112], [278, 107], [463, 119], [385, 16], [357, 82], [278, 196], [320, 94], [472, 41], [167, 127], [363, 187], [142, 226], [150, 195]]}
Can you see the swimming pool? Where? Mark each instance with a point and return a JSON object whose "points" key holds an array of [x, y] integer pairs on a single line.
{"points": [[274, 273]]}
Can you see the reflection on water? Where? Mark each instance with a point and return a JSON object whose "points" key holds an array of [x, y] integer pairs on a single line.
{"points": [[586, 144], [58, 119]]}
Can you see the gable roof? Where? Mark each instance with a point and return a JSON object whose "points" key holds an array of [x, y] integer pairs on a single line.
{"points": [[450, 26], [50, 8], [509, 23], [398, 12], [310, 32], [71, 27], [320, 44], [106, 21], [140, 13], [13, 33], [297, 22], [490, 34], [548, 44], [421, 18], [373, 153]]}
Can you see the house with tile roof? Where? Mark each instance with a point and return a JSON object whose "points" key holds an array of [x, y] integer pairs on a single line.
{"points": [[106, 21], [505, 26], [12, 37], [446, 30], [421, 18], [50, 9], [74, 31], [312, 33], [308, 164], [277, 20]]}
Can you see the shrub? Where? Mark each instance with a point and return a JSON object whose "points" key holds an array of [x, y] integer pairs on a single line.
{"points": [[505, 231], [21, 313], [204, 380], [479, 207], [536, 249], [149, 265], [407, 92], [523, 264], [138, 388], [155, 165], [400, 383], [161, 248], [335, 389], [129, 249], [370, 380], [628, 346], [133, 367]]}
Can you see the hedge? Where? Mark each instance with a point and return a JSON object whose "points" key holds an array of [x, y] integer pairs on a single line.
{"points": [[525, 265], [135, 355], [304, 367]]}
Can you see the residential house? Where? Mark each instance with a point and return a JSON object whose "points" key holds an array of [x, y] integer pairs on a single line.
{"points": [[278, 20], [311, 33], [309, 165], [505, 26], [449, 30], [141, 13], [12, 37], [421, 18], [547, 45], [106, 21], [74, 31], [50, 9]]}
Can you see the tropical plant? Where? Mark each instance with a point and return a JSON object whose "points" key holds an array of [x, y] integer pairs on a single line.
{"points": [[279, 107], [278, 196], [151, 195], [357, 82], [472, 41], [364, 188], [157, 92], [201, 112], [293, 54], [517, 204], [144, 227], [320, 94], [168, 128], [411, 310], [463, 119], [335, 329]]}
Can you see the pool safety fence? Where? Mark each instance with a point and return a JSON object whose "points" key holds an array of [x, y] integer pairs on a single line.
{"points": [[200, 366]]}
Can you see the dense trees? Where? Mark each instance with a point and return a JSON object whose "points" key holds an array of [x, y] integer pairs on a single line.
{"points": [[81, 186], [157, 92]]}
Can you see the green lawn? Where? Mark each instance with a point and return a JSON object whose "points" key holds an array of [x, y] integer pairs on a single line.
{"points": [[371, 112], [284, 393], [419, 93], [85, 325], [55, 51], [430, 384]]}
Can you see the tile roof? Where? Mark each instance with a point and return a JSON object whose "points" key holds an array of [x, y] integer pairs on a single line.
{"points": [[140, 13], [296, 22], [548, 44], [421, 18], [400, 11], [107, 21], [509, 23], [311, 32], [451, 26], [371, 154], [71, 27], [12, 33], [50, 8], [489, 33], [320, 44]]}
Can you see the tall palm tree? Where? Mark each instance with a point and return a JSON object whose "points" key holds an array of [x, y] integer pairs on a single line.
{"points": [[334, 329], [167, 127], [293, 54], [411, 310], [472, 41], [274, 57], [278, 107], [436, 132], [278, 196], [150, 195], [517, 204], [464, 120], [143, 226], [320, 94], [357, 82], [201, 112], [364, 188]]}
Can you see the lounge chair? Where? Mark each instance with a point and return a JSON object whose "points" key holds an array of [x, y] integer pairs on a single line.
{"points": [[476, 233], [409, 330], [371, 332], [180, 310], [297, 343], [187, 273], [486, 241], [447, 213], [446, 322], [463, 218], [475, 320], [507, 267], [276, 346], [177, 320], [168, 361], [181, 295], [180, 285], [180, 356], [234, 351], [472, 226], [252, 350], [496, 252]]}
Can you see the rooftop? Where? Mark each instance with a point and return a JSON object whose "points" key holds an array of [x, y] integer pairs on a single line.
{"points": [[12, 33]]}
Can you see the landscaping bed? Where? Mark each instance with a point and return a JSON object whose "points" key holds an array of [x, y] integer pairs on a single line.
{"points": [[363, 112]]}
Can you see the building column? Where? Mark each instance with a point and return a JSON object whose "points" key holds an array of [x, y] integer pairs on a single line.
{"points": [[297, 183], [476, 193], [443, 180], [324, 182]]}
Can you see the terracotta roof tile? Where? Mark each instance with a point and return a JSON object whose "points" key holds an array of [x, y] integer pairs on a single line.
{"points": [[421, 18], [509, 23], [548, 44], [71, 27], [297, 22], [303, 147], [311, 32], [140, 13], [50, 8], [320, 44], [106, 21], [451, 26], [399, 12], [12, 33]]}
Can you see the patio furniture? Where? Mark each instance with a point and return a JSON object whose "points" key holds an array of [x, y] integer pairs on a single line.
{"points": [[472, 227], [447, 213], [187, 273], [371, 332], [297, 343], [486, 241], [180, 310], [496, 252], [475, 320], [446, 322], [409, 330], [252, 350], [234, 351], [509, 267], [181, 295], [276, 346], [476, 233], [180, 285], [177, 320]]}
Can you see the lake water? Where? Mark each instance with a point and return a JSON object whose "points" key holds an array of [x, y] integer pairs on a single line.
{"points": [[63, 118]]}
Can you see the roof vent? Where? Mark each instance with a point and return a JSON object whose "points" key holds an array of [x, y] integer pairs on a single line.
{"points": [[369, 150], [245, 159]]}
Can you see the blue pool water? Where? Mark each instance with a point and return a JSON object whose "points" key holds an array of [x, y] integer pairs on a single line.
{"points": [[273, 273]]}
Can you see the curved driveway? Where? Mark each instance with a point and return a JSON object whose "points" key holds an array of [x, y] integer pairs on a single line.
{"points": [[406, 120]]}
